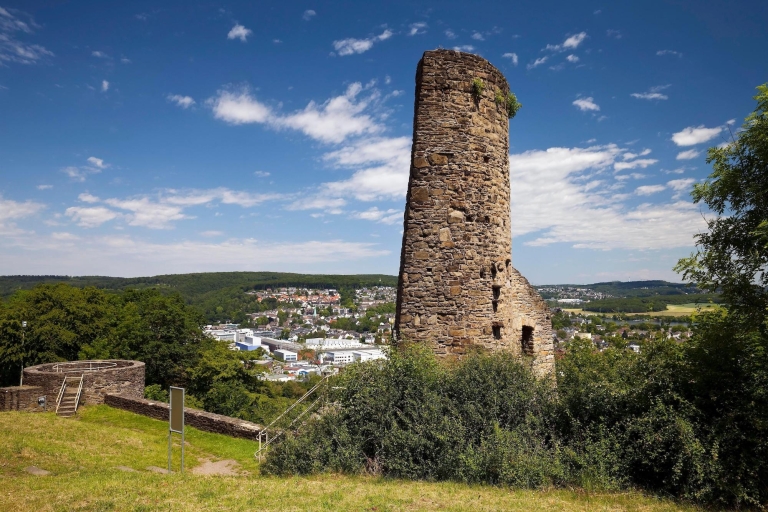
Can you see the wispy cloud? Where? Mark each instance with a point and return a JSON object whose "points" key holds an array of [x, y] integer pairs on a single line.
{"points": [[332, 121], [464, 48], [586, 215], [572, 58], [181, 101], [15, 23], [351, 46], [80, 173], [417, 28], [450, 34], [11, 211], [586, 105], [538, 62], [616, 34], [669, 52], [104, 86], [239, 32], [654, 93], [160, 211], [693, 135], [688, 155], [308, 15], [100, 55], [647, 190], [512, 57], [570, 43], [477, 36]]}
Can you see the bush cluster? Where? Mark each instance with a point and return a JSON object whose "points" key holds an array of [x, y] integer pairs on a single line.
{"points": [[689, 421]]}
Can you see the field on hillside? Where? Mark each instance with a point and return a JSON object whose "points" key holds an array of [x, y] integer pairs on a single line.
{"points": [[84, 454], [672, 310]]}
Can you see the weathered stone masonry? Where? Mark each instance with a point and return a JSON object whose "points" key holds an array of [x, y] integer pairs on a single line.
{"points": [[457, 286]]}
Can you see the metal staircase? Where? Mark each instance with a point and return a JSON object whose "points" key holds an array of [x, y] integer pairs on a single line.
{"points": [[279, 425], [69, 396]]}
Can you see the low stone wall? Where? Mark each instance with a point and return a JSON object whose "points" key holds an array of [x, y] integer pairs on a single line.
{"points": [[22, 398], [121, 377], [201, 420]]}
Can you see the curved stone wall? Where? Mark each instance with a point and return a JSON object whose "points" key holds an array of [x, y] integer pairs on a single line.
{"points": [[457, 286], [114, 376]]}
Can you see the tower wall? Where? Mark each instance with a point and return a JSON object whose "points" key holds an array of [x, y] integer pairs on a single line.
{"points": [[457, 287]]}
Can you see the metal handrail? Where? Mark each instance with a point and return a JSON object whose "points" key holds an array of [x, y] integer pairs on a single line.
{"points": [[79, 390], [84, 366], [61, 393]]}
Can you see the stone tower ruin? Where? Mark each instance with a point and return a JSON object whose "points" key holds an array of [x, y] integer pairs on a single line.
{"points": [[457, 287]]}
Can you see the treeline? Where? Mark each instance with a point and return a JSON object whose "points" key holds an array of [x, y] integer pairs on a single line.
{"points": [[220, 296], [66, 323], [647, 304]]}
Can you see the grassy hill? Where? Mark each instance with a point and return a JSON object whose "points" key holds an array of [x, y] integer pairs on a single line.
{"points": [[82, 455]]}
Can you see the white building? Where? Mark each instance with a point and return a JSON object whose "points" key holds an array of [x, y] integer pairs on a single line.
{"points": [[331, 343], [368, 355], [285, 355], [341, 357]]}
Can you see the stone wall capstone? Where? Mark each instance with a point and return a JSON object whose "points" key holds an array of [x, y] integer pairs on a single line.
{"points": [[457, 287]]}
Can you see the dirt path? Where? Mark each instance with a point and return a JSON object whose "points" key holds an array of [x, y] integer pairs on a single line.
{"points": [[227, 467]]}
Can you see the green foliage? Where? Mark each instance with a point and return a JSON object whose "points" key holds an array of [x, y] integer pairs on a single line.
{"points": [[478, 86], [684, 420], [509, 102], [732, 255]]}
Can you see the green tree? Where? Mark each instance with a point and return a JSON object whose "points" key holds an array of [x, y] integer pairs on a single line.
{"points": [[732, 256]]}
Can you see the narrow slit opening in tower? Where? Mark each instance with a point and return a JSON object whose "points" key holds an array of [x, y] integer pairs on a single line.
{"points": [[526, 340], [497, 332]]}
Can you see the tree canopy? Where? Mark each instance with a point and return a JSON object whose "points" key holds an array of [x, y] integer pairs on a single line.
{"points": [[732, 256]]}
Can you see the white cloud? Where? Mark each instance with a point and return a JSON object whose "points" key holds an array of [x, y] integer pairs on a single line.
{"points": [[88, 198], [682, 184], [90, 217], [277, 41], [308, 14], [674, 171], [100, 55], [586, 104], [125, 60], [538, 62], [351, 46], [468, 48], [104, 86], [477, 36], [632, 175], [695, 135], [669, 52], [128, 256], [181, 101], [654, 93], [261, 174], [11, 211], [634, 164], [587, 216], [450, 34], [332, 121], [162, 210], [572, 58], [512, 57], [13, 50], [97, 162], [381, 169], [239, 32], [96, 165], [571, 43], [44, 187], [616, 34], [647, 190], [390, 216], [688, 155], [417, 28], [211, 233]]}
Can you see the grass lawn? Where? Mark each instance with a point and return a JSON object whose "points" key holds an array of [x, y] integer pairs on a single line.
{"points": [[82, 454]]}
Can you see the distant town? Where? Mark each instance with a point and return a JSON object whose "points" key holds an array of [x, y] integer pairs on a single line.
{"points": [[310, 332]]}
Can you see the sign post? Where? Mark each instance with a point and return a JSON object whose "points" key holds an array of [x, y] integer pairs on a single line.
{"points": [[176, 421]]}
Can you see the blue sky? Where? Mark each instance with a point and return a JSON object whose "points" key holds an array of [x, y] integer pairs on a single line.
{"points": [[141, 138]]}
